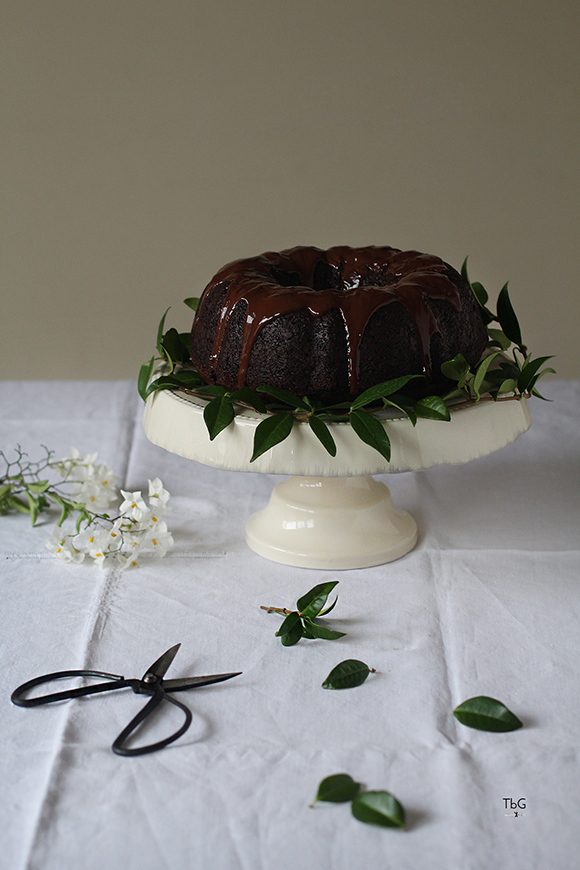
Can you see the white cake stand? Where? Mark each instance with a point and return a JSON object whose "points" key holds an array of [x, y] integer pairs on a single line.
{"points": [[331, 513]]}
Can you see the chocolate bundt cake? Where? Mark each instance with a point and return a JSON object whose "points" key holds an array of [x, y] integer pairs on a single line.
{"points": [[330, 324]]}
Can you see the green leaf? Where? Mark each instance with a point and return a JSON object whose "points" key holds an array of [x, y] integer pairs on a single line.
{"points": [[218, 414], [509, 369], [480, 293], [455, 368], [37, 487], [371, 431], [285, 397], [380, 391], [338, 788], [328, 609], [332, 418], [539, 396], [322, 632], [378, 808], [211, 390], [33, 505], [323, 434], [338, 406], [160, 333], [403, 404], [507, 317], [499, 337], [173, 347], [64, 513], [185, 379], [294, 635], [246, 396], [192, 302], [4, 490], [347, 675], [486, 714], [527, 375], [143, 379], [482, 371], [15, 502], [271, 431], [314, 600], [463, 270], [454, 394], [432, 408], [288, 624], [506, 386], [548, 371]]}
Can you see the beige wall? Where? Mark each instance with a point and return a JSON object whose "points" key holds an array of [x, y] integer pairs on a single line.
{"points": [[148, 142]]}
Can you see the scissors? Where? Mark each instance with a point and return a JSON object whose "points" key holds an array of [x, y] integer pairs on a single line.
{"points": [[151, 683]]}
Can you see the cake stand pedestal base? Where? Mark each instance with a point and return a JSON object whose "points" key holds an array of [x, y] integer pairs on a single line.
{"points": [[330, 515], [331, 523]]}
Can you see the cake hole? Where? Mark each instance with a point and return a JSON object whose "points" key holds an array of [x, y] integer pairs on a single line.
{"points": [[287, 279], [325, 277]]}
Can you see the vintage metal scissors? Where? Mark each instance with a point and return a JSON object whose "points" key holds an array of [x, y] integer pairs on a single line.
{"points": [[151, 683]]}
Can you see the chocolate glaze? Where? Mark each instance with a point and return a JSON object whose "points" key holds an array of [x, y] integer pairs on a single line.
{"points": [[356, 281]]}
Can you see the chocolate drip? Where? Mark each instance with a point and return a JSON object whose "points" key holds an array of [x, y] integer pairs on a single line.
{"points": [[356, 281]]}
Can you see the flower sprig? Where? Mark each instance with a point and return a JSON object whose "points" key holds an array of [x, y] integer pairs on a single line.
{"points": [[88, 489], [507, 371]]}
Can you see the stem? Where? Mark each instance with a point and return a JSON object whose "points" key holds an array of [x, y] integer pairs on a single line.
{"points": [[282, 610]]}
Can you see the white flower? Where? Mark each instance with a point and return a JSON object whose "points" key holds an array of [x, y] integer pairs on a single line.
{"points": [[92, 541], [159, 539], [61, 544], [127, 561], [77, 466], [158, 496], [98, 490], [132, 541], [133, 507]]}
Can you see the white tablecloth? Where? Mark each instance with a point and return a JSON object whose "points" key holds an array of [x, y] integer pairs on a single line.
{"points": [[487, 604]]}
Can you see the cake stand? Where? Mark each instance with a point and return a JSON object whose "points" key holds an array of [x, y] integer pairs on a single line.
{"points": [[331, 513]]}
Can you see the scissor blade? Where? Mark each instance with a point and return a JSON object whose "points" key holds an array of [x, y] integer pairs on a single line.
{"points": [[194, 682], [159, 668]]}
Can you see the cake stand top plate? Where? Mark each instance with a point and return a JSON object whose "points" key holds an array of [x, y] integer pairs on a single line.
{"points": [[174, 420]]}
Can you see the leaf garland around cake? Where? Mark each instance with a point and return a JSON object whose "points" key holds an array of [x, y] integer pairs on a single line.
{"points": [[506, 372]]}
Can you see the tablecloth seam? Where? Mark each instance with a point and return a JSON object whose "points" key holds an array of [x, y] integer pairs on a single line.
{"points": [[223, 554], [55, 764], [130, 440], [448, 669]]}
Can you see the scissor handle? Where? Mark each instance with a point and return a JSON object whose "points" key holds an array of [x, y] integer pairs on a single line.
{"points": [[114, 682], [158, 696]]}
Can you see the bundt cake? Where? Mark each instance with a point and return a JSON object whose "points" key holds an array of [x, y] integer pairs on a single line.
{"points": [[330, 324]]}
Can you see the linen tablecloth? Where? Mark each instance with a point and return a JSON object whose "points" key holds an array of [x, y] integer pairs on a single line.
{"points": [[488, 603]]}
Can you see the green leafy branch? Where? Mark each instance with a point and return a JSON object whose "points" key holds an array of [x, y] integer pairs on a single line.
{"points": [[517, 375], [23, 488], [301, 623], [173, 350]]}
